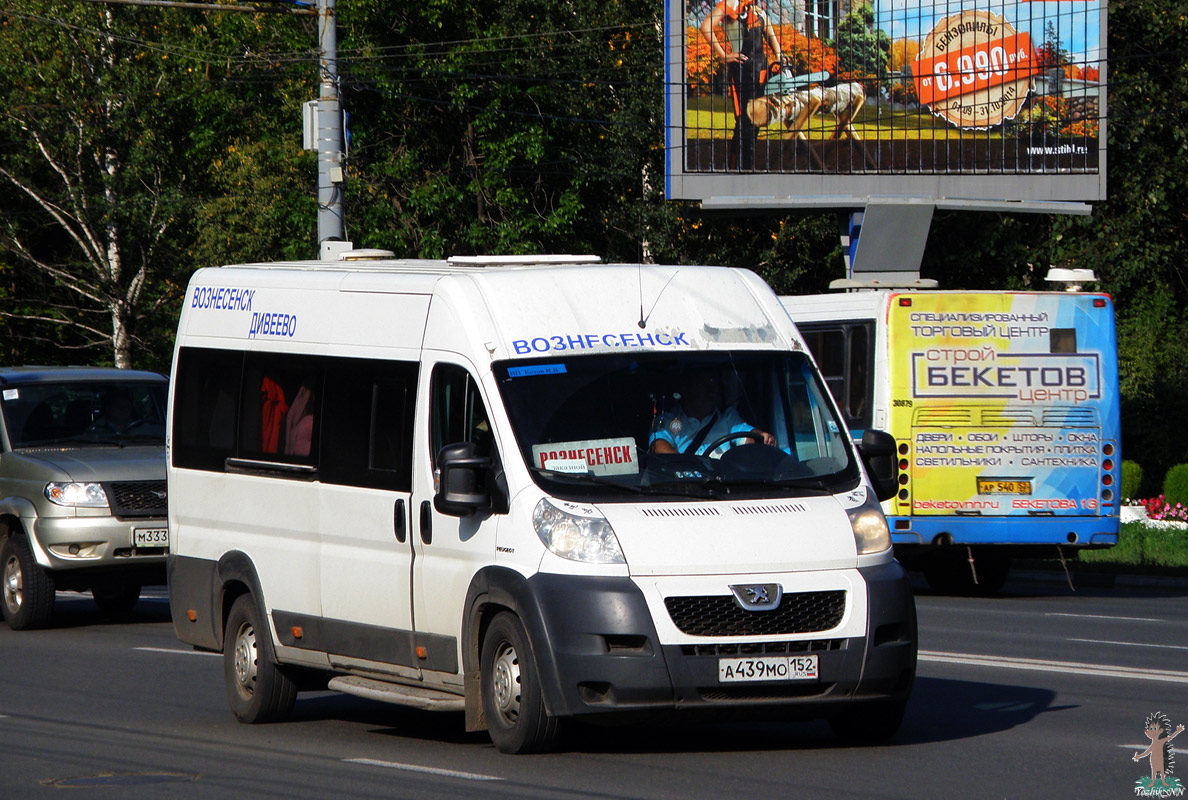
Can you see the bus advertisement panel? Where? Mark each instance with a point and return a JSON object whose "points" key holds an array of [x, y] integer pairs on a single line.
{"points": [[1004, 408], [1005, 405]]}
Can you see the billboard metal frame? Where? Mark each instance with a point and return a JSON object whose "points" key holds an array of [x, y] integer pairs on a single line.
{"points": [[1056, 191]]}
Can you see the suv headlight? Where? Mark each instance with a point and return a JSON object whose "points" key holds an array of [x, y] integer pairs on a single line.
{"points": [[871, 533], [76, 495], [576, 537]]}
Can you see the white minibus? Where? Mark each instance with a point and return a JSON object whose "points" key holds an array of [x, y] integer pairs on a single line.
{"points": [[533, 489]]}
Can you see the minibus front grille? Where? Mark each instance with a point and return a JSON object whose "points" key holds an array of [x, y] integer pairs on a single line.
{"points": [[138, 498], [715, 650], [720, 615]]}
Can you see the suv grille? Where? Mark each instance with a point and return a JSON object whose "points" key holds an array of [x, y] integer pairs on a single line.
{"points": [[138, 499], [720, 615]]}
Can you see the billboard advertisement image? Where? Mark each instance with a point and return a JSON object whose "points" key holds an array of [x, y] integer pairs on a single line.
{"points": [[993, 99]]}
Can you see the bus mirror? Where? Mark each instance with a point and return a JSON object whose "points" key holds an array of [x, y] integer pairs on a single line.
{"points": [[461, 489], [878, 454]]}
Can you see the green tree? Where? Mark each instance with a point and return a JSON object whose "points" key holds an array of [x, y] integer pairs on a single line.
{"points": [[863, 51], [92, 170], [110, 130]]}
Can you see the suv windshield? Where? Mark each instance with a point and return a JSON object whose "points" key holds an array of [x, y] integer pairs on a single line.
{"points": [[702, 425], [85, 412]]}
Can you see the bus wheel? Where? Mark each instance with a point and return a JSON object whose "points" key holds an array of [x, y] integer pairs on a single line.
{"points": [[512, 699], [28, 589], [257, 689]]}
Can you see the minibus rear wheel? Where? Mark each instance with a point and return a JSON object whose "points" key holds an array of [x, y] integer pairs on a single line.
{"points": [[257, 689], [512, 699]]}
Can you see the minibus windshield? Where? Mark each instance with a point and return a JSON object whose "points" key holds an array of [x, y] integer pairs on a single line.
{"points": [[739, 424]]}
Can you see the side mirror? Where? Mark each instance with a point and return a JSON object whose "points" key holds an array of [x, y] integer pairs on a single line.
{"points": [[461, 484], [878, 454]]}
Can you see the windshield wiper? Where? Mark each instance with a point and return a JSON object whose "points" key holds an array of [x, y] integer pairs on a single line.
{"points": [[65, 441], [673, 488], [585, 477], [816, 483]]}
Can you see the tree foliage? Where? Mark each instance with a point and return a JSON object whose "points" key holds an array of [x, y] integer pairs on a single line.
{"points": [[111, 145]]}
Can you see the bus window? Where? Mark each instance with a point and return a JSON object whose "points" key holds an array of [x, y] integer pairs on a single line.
{"points": [[845, 357]]}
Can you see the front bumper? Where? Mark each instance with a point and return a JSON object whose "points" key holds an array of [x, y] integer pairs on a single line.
{"points": [[599, 653], [97, 543]]}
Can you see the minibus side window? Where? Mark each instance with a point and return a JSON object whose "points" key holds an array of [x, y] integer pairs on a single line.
{"points": [[458, 414], [367, 426], [205, 407], [279, 407]]}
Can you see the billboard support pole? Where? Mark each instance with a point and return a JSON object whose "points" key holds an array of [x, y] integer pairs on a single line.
{"points": [[884, 242]]}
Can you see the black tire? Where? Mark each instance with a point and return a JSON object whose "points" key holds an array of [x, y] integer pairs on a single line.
{"points": [[117, 599], [28, 590], [512, 699], [257, 688], [870, 723]]}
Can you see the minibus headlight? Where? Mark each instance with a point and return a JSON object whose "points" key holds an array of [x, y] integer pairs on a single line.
{"points": [[871, 533], [578, 538], [77, 495]]}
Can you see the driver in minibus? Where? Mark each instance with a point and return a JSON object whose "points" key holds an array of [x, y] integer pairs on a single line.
{"points": [[700, 420]]}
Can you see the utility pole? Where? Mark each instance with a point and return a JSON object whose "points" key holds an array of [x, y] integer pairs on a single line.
{"points": [[331, 174]]}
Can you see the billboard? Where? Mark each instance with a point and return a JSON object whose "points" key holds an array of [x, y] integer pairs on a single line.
{"points": [[831, 102]]}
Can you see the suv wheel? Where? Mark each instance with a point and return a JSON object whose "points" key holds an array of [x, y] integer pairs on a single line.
{"points": [[28, 590]]}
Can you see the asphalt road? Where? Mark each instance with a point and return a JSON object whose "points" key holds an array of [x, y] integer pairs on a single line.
{"points": [[1040, 693]]}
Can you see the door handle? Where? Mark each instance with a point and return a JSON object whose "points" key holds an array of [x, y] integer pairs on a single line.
{"points": [[426, 522], [400, 521]]}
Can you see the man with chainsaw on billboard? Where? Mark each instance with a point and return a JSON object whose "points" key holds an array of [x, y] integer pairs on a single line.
{"points": [[744, 29]]}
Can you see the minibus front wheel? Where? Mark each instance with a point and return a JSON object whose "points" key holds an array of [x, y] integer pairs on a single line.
{"points": [[512, 700], [257, 689]]}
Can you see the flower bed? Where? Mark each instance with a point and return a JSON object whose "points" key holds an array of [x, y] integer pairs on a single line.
{"points": [[1156, 512]]}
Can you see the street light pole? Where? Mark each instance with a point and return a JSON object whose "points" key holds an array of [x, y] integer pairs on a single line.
{"points": [[331, 175]]}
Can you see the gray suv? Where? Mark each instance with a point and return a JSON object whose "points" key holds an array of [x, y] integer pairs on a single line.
{"points": [[82, 487]]}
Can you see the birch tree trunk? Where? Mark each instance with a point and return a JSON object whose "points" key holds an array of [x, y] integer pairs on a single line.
{"points": [[75, 173]]}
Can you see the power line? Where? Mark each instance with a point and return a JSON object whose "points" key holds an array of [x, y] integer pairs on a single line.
{"points": [[209, 6]]}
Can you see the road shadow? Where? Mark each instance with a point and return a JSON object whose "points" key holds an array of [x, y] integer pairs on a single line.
{"points": [[1055, 583], [78, 610], [941, 710]]}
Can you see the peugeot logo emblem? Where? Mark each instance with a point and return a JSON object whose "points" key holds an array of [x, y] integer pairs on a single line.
{"points": [[758, 596]]}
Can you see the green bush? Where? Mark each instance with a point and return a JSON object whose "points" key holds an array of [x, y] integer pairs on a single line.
{"points": [[1132, 480], [1175, 485]]}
